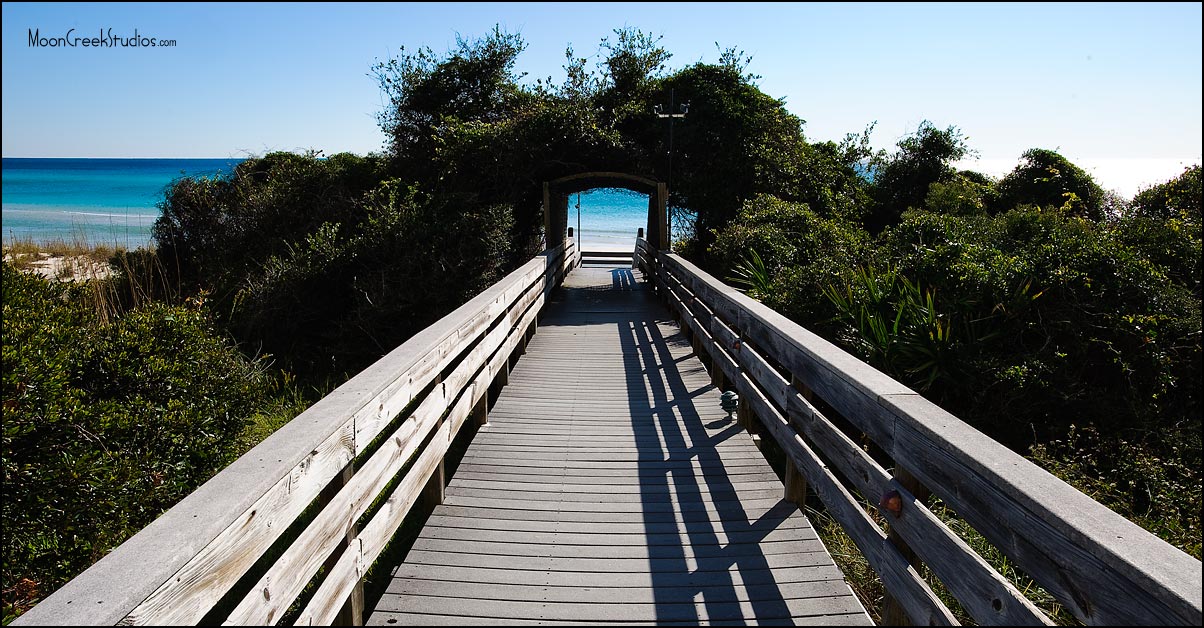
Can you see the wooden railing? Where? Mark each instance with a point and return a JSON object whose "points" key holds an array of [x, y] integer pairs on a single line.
{"points": [[392, 422], [1102, 567]]}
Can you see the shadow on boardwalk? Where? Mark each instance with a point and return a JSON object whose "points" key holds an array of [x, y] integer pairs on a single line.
{"points": [[610, 487]]}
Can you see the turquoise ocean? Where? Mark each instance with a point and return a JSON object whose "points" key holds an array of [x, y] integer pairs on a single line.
{"points": [[115, 201]]}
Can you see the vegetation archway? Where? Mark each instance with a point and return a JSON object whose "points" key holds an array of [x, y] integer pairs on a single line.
{"points": [[556, 202]]}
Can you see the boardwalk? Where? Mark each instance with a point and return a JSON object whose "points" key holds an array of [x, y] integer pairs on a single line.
{"points": [[609, 486], [606, 486]]}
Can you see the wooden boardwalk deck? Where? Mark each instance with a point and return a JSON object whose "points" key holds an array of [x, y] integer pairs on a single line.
{"points": [[609, 486]]}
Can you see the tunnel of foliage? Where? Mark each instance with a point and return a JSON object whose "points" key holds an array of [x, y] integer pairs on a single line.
{"points": [[1045, 311]]}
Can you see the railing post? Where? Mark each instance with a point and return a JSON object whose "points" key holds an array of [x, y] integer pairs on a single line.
{"points": [[892, 612], [432, 493], [744, 415], [502, 378], [796, 482], [480, 413], [352, 613], [717, 377]]}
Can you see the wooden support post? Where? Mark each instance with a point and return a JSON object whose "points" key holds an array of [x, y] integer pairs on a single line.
{"points": [[806, 391], [795, 481], [352, 613], [717, 377], [480, 413], [501, 379], [892, 612], [432, 493], [796, 484], [745, 417]]}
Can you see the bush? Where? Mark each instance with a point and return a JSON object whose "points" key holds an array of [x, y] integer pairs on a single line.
{"points": [[800, 251], [350, 293], [1155, 481], [1077, 326], [1046, 179], [1178, 198], [105, 424], [213, 231]]}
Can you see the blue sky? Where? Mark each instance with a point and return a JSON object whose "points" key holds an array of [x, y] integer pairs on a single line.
{"points": [[1114, 87]]}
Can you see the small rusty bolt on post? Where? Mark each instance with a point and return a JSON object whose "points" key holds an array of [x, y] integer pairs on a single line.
{"points": [[729, 401], [891, 502]]}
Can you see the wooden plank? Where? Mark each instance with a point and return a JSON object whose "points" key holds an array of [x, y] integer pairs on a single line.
{"points": [[736, 575], [687, 548], [516, 522], [713, 532], [754, 474], [674, 565], [662, 611], [614, 595], [220, 563], [423, 619]]}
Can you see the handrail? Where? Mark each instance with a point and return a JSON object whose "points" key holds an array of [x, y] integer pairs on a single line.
{"points": [[1102, 567], [179, 567]]}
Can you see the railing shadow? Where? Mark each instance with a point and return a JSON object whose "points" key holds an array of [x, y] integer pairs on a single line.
{"points": [[622, 279], [679, 461]]}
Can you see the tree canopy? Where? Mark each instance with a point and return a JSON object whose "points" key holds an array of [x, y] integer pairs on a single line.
{"points": [[465, 122]]}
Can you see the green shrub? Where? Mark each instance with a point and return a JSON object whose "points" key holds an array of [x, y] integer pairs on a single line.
{"points": [[213, 231], [1178, 198], [800, 253], [1155, 481], [350, 293], [106, 424], [1046, 179], [1113, 340]]}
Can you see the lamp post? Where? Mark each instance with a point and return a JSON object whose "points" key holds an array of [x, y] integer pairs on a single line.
{"points": [[675, 112]]}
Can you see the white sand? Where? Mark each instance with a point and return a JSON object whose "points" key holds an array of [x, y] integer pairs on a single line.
{"points": [[78, 268]]}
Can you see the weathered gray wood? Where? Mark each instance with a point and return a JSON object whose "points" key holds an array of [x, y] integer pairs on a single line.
{"points": [[626, 595], [418, 619], [352, 613], [733, 610], [178, 567], [913, 594], [354, 563], [986, 595], [499, 343], [1065, 540], [286, 578], [735, 576], [616, 478]]}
